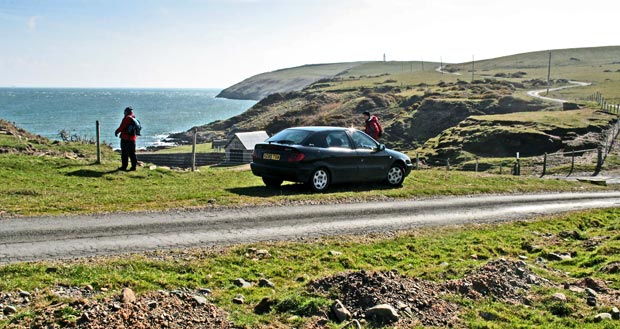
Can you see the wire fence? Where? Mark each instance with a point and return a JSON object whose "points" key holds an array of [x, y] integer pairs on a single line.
{"points": [[584, 161], [605, 106], [559, 163], [574, 162]]}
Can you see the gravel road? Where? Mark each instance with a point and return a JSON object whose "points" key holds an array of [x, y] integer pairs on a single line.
{"points": [[45, 238], [573, 84]]}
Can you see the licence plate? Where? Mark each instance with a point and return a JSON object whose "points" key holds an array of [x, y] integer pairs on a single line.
{"points": [[271, 156]]}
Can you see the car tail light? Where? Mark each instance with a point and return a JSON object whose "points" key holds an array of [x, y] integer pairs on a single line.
{"points": [[254, 155], [296, 157]]}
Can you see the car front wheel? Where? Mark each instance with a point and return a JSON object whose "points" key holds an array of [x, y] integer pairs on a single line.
{"points": [[396, 175], [272, 182], [319, 180]]}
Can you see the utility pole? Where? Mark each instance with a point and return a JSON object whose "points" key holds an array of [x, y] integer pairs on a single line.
{"points": [[548, 74], [441, 64], [422, 60], [472, 68]]}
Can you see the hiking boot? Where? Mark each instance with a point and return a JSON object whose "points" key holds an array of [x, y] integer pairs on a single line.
{"points": [[132, 169]]}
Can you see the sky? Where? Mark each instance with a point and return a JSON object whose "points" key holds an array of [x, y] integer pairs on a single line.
{"points": [[216, 43]]}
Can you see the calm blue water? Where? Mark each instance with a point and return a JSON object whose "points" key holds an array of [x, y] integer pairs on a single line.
{"points": [[47, 111]]}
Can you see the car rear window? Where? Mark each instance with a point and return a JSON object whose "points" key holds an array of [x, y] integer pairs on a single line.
{"points": [[289, 136]]}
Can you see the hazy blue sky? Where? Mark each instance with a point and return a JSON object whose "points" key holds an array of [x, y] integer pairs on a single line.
{"points": [[215, 43]]}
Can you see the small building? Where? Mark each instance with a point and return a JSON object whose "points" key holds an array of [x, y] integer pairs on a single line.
{"points": [[219, 144], [240, 147]]}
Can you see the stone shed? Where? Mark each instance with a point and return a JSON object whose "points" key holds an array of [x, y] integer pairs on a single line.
{"points": [[240, 147]]}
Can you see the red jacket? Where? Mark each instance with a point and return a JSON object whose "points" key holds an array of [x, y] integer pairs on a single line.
{"points": [[373, 128], [127, 120]]}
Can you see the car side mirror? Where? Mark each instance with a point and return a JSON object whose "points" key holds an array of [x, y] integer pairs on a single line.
{"points": [[381, 148]]}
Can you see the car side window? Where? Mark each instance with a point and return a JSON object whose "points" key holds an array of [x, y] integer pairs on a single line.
{"points": [[363, 141], [338, 139], [317, 140]]}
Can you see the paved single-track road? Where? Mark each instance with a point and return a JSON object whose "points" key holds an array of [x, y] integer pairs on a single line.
{"points": [[573, 84], [47, 238]]}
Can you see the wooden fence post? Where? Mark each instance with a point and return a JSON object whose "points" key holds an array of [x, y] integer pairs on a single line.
{"points": [[599, 161], [544, 171], [572, 163], [448, 164], [476, 168], [417, 161], [518, 168], [194, 150], [98, 133], [500, 167]]}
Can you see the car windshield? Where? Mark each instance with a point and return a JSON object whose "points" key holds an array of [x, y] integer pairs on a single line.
{"points": [[363, 141], [289, 136]]}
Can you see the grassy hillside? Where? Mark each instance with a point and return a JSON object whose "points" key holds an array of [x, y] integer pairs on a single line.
{"points": [[530, 133], [416, 103], [599, 65], [285, 80], [297, 78], [560, 58]]}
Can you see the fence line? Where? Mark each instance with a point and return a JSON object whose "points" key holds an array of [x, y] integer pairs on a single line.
{"points": [[568, 163], [609, 139], [586, 157], [605, 106]]}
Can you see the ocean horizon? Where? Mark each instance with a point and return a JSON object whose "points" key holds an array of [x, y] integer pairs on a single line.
{"points": [[161, 111]]}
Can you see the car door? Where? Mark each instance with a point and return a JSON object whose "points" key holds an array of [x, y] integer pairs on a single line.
{"points": [[341, 158], [373, 162]]}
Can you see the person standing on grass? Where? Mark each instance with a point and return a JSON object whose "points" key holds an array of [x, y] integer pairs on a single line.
{"points": [[373, 127], [128, 141]]}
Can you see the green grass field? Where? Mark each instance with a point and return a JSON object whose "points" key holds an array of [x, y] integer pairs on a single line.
{"points": [[200, 148], [578, 119]]}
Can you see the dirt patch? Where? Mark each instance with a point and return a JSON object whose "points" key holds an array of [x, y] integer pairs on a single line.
{"points": [[504, 280], [421, 302], [161, 309], [362, 290]]}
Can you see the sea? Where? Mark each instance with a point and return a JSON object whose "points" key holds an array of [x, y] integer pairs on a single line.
{"points": [[48, 111]]}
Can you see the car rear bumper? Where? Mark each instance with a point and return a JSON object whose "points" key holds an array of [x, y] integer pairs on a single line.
{"points": [[292, 174]]}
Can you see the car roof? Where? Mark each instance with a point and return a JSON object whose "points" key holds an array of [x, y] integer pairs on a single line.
{"points": [[322, 128]]}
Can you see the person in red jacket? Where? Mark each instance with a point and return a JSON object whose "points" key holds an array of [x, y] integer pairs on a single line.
{"points": [[373, 127], [128, 141]]}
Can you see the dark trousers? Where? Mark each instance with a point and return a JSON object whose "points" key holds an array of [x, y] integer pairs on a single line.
{"points": [[128, 151]]}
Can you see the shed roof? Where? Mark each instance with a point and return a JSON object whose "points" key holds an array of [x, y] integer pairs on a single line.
{"points": [[250, 139]]}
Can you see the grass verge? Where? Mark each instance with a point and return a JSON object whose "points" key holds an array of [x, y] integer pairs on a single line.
{"points": [[434, 254], [52, 185]]}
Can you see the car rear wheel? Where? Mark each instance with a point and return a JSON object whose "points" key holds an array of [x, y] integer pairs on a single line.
{"points": [[396, 175], [319, 180], [272, 182]]}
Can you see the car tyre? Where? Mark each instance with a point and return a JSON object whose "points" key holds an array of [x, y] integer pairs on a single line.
{"points": [[319, 180], [395, 175], [272, 182]]}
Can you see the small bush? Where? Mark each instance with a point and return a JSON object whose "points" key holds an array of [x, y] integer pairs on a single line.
{"points": [[559, 309], [302, 306]]}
